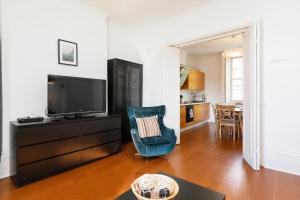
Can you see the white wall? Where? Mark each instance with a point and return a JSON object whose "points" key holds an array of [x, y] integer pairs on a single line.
{"points": [[183, 57], [30, 32], [280, 132], [211, 65], [123, 44], [120, 43], [1, 79], [171, 89]]}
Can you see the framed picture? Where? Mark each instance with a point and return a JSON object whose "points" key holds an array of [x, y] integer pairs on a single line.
{"points": [[67, 53]]}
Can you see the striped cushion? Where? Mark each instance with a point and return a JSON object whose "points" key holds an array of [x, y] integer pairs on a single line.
{"points": [[148, 126]]}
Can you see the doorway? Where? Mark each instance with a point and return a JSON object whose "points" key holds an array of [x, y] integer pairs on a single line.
{"points": [[251, 102]]}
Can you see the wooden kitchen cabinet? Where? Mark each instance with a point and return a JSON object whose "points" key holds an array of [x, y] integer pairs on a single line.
{"points": [[182, 116], [195, 80], [201, 112]]}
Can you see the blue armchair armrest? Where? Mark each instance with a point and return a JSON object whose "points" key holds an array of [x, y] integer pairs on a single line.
{"points": [[134, 134], [168, 132], [137, 141]]}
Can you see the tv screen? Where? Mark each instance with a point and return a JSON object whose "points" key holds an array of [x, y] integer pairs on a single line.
{"points": [[72, 95]]}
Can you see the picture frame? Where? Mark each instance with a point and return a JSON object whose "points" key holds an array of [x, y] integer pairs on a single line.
{"points": [[67, 52]]}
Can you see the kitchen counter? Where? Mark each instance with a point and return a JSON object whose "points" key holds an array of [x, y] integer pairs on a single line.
{"points": [[193, 103]]}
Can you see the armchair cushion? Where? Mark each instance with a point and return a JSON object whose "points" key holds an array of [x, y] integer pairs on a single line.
{"points": [[155, 140], [148, 126]]}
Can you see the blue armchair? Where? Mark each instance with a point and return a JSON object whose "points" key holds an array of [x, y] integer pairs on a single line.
{"points": [[151, 146]]}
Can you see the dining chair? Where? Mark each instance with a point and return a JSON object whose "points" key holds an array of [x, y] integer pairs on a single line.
{"points": [[227, 119]]}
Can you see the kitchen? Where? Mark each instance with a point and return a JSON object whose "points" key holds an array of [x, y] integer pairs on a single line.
{"points": [[211, 86], [194, 107]]}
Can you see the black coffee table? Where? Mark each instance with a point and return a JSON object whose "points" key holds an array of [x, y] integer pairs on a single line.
{"points": [[187, 191]]}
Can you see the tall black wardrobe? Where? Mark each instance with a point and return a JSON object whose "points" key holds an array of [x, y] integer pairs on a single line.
{"points": [[125, 87]]}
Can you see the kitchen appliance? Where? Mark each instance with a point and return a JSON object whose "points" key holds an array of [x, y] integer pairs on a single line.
{"points": [[189, 113], [184, 72], [203, 97]]}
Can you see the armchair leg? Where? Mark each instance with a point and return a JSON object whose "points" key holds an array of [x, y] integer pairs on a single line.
{"points": [[137, 154], [164, 157]]}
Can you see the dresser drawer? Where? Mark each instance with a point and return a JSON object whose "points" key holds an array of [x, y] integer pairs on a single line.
{"points": [[32, 135], [100, 151], [100, 125], [100, 138], [42, 169], [46, 150]]}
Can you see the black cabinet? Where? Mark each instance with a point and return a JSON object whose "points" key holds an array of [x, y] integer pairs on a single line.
{"points": [[125, 87], [49, 147]]}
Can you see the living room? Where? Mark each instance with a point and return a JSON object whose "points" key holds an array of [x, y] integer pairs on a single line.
{"points": [[142, 32]]}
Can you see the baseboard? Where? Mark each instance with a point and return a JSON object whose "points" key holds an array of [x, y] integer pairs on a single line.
{"points": [[6, 166], [193, 126], [281, 160], [247, 158]]}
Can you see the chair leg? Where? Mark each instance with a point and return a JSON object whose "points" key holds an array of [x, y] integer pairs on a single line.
{"points": [[220, 131], [233, 132]]}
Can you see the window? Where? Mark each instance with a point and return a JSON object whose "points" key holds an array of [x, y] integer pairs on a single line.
{"points": [[237, 81], [234, 79]]}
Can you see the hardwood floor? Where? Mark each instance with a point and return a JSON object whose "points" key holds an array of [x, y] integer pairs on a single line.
{"points": [[201, 158]]}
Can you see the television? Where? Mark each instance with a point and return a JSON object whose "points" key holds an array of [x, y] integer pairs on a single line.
{"points": [[75, 96]]}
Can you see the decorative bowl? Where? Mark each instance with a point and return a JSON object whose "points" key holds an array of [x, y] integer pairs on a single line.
{"points": [[159, 176]]}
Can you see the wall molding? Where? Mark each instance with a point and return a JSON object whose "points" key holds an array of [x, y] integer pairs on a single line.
{"points": [[193, 126], [281, 160]]}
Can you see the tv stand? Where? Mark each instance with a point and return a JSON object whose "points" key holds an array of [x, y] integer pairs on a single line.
{"points": [[49, 147]]}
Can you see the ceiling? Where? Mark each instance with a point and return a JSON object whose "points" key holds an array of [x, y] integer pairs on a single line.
{"points": [[215, 46], [140, 12]]}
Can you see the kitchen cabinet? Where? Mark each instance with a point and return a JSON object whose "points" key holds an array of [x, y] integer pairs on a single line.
{"points": [[182, 116], [195, 80], [201, 112]]}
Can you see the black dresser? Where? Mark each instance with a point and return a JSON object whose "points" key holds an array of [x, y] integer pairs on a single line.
{"points": [[48, 147], [125, 87]]}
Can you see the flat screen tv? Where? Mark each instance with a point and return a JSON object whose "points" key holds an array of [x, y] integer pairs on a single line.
{"points": [[75, 96]]}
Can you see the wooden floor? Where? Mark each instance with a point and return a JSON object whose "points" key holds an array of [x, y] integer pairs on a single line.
{"points": [[201, 158]]}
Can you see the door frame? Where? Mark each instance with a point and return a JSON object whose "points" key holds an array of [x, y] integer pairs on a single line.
{"points": [[256, 100]]}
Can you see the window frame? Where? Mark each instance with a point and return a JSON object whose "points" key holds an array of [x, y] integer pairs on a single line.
{"points": [[231, 79]]}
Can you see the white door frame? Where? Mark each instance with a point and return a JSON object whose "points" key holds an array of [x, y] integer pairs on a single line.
{"points": [[255, 28]]}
